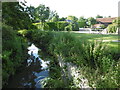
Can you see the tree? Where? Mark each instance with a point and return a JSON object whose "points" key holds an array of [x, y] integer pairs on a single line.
{"points": [[32, 13], [82, 22], [42, 14], [117, 21], [81, 19], [53, 17], [98, 16], [112, 28], [62, 19], [73, 22], [72, 18], [91, 21], [15, 15]]}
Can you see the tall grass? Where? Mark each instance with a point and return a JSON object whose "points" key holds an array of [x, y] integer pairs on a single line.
{"points": [[94, 58]]}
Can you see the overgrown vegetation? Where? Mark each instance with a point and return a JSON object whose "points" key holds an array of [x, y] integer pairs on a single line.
{"points": [[96, 60], [14, 52], [112, 28], [98, 63]]}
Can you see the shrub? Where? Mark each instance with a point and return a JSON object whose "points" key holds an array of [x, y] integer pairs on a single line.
{"points": [[68, 28], [61, 25], [52, 26], [112, 28], [14, 52], [82, 24]]}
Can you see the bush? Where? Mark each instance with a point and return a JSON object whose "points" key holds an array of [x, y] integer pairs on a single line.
{"points": [[14, 52], [82, 24], [61, 25], [102, 26], [52, 26], [57, 26], [68, 28], [112, 28]]}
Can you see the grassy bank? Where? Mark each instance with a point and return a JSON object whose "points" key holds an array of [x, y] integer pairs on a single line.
{"points": [[97, 61]]}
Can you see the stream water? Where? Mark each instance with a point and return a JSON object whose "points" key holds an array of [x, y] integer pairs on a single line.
{"points": [[32, 73]]}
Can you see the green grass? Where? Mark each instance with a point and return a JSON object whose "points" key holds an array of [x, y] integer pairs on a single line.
{"points": [[95, 36], [90, 37]]}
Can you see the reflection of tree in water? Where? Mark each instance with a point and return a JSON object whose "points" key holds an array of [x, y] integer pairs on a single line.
{"points": [[25, 78], [28, 80]]}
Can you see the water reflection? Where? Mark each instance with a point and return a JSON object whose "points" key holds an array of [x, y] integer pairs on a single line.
{"points": [[32, 73], [34, 57]]}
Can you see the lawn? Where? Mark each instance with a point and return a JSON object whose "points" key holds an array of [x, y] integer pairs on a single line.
{"points": [[95, 36], [90, 37]]}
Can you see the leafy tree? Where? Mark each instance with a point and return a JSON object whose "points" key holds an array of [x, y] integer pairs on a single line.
{"points": [[117, 22], [53, 17], [61, 25], [82, 22], [91, 21], [32, 13], [15, 15], [112, 28], [73, 22], [82, 19], [69, 27], [72, 18], [62, 19], [75, 26], [98, 16], [13, 52], [42, 14]]}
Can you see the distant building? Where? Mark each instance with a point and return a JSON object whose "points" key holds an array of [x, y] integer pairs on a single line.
{"points": [[68, 21], [97, 26], [103, 21]]}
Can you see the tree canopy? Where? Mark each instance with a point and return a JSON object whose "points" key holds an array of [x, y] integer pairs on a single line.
{"points": [[42, 13], [98, 16], [72, 18], [91, 21], [15, 15]]}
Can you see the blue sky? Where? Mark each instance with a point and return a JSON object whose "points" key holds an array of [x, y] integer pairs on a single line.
{"points": [[86, 8]]}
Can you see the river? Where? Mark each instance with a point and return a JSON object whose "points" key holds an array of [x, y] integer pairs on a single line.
{"points": [[32, 73]]}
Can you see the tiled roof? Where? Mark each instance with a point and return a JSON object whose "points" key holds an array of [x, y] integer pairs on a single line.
{"points": [[97, 25], [105, 20]]}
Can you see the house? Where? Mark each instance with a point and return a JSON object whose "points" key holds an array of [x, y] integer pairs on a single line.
{"points": [[103, 21]]}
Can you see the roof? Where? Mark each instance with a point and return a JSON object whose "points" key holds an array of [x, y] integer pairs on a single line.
{"points": [[69, 20], [97, 25], [105, 20]]}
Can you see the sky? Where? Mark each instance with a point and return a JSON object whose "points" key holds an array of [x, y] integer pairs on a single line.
{"points": [[78, 8]]}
